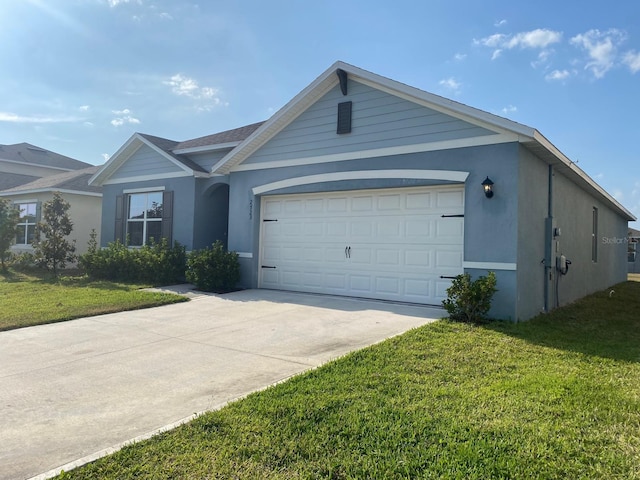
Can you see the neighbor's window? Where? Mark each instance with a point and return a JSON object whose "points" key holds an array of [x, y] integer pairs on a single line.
{"points": [[594, 235], [144, 218], [632, 250], [27, 224]]}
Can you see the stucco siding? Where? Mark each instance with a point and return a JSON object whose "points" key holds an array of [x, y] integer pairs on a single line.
{"points": [[145, 161], [532, 212], [379, 120], [573, 213], [85, 212], [183, 207]]}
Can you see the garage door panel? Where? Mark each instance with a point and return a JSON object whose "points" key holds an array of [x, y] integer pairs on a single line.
{"points": [[389, 244]]}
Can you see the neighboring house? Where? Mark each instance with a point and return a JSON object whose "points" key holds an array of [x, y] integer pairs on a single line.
{"points": [[363, 186], [633, 251], [29, 176]]}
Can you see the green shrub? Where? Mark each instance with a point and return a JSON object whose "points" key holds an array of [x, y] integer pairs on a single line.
{"points": [[470, 301], [158, 263], [213, 269], [23, 261]]}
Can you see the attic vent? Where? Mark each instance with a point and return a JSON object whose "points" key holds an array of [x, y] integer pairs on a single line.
{"points": [[344, 117]]}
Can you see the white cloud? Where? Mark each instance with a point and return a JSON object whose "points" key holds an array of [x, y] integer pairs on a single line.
{"points": [[500, 23], [509, 109], [558, 75], [492, 41], [14, 118], [543, 58], [632, 60], [115, 3], [105, 156], [84, 108], [601, 48], [124, 116], [539, 38], [451, 84], [188, 87], [460, 56]]}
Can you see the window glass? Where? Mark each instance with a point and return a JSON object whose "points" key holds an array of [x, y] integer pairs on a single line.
{"points": [[136, 233], [154, 205], [26, 230], [144, 221], [137, 205]]}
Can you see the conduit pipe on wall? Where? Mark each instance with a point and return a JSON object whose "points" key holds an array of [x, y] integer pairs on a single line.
{"points": [[548, 260]]}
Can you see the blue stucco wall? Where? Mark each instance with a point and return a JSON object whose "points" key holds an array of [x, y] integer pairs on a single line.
{"points": [[200, 209], [490, 224]]}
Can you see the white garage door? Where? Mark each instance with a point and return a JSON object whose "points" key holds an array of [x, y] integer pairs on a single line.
{"points": [[392, 244]]}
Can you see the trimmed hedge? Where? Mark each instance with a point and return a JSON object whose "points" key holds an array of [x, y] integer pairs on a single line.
{"points": [[213, 269]]}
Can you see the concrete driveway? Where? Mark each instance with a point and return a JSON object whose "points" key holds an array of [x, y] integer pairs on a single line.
{"points": [[74, 391]]}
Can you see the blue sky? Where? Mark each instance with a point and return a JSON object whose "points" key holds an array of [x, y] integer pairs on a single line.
{"points": [[80, 76]]}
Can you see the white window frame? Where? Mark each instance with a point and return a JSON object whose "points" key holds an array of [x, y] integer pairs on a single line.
{"points": [[145, 220], [26, 224]]}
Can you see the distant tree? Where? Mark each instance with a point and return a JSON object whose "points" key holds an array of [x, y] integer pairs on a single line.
{"points": [[9, 218], [52, 248]]}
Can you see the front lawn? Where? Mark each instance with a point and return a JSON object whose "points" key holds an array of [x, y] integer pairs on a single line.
{"points": [[35, 298], [557, 397]]}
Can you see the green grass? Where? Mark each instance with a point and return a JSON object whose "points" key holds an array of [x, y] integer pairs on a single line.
{"points": [[35, 298], [555, 398]]}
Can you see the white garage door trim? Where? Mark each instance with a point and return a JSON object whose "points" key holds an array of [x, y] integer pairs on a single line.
{"points": [[442, 175], [390, 244]]}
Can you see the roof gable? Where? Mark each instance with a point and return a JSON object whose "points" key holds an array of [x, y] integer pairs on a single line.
{"points": [[182, 166], [329, 80]]}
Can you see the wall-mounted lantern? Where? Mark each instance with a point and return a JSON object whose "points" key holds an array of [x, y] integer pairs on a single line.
{"points": [[488, 187]]}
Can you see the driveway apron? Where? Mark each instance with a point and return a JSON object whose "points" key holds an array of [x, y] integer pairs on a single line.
{"points": [[74, 391]]}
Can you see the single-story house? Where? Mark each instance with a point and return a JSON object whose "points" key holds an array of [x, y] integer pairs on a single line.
{"points": [[366, 187], [85, 209], [633, 252]]}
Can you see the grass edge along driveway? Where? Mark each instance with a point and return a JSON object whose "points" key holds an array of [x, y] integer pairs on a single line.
{"points": [[35, 299], [555, 397]]}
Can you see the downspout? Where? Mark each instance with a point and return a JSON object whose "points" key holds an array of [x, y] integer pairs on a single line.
{"points": [[548, 248]]}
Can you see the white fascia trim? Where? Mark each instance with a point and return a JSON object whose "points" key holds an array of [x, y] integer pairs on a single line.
{"points": [[490, 265], [382, 152], [144, 189], [48, 190], [449, 175], [245, 254], [551, 148], [39, 165], [144, 178], [206, 148], [117, 159]]}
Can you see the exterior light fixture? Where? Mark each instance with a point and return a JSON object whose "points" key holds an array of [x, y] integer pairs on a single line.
{"points": [[488, 187]]}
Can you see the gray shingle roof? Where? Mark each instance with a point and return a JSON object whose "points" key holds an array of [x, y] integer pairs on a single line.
{"points": [[32, 155], [167, 146], [228, 136], [10, 180], [78, 180]]}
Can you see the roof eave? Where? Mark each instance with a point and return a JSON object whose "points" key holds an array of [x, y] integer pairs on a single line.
{"points": [[561, 158]]}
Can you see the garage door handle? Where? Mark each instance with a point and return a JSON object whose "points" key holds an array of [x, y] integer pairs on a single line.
{"points": [[453, 216], [444, 276], [267, 266], [349, 252]]}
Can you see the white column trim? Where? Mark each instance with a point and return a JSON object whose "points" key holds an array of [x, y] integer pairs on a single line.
{"points": [[490, 265]]}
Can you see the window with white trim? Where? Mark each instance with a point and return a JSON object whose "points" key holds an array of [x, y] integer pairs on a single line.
{"points": [[632, 249], [26, 231], [144, 218]]}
